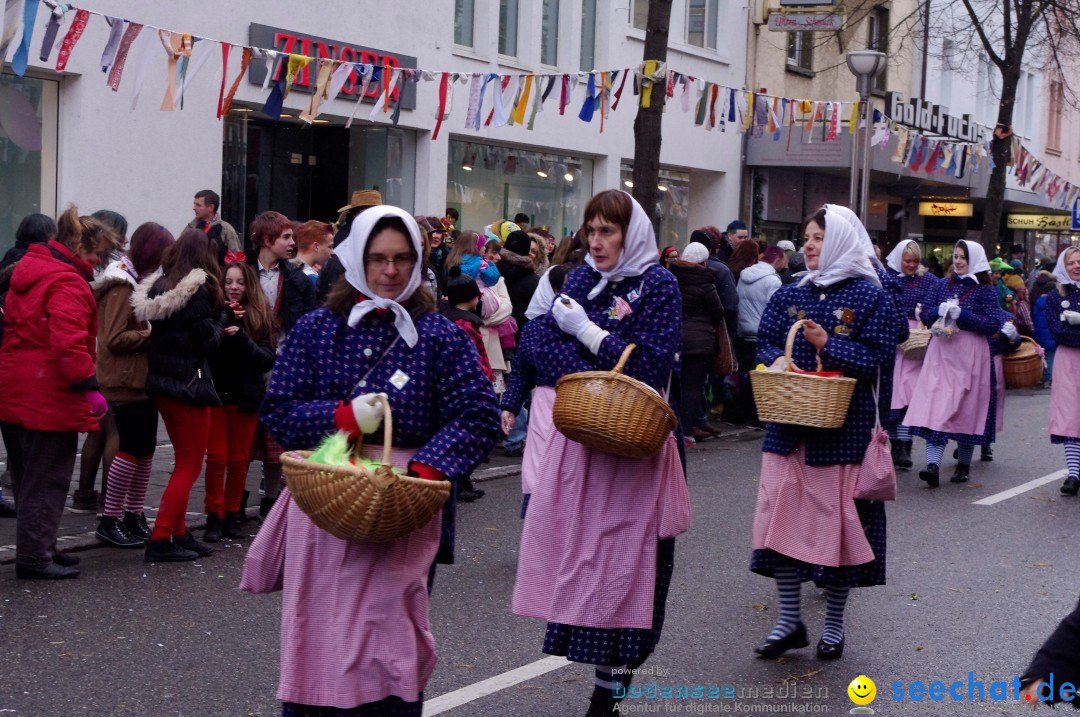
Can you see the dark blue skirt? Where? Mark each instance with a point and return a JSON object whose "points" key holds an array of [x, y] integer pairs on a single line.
{"points": [[872, 517], [617, 646], [389, 707]]}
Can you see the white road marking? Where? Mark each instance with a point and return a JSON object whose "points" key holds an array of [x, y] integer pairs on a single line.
{"points": [[1023, 488], [465, 695]]}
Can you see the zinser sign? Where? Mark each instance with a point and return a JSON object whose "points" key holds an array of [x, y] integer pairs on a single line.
{"points": [[926, 116], [288, 41]]}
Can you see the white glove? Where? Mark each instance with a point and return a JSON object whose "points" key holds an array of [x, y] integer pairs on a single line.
{"points": [[368, 411], [954, 311], [1009, 330], [943, 308], [1072, 317], [571, 318]]}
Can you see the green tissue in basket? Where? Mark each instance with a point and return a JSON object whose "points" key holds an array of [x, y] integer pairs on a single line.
{"points": [[336, 451]]}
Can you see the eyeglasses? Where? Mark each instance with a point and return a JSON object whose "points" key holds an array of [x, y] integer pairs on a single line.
{"points": [[401, 261]]}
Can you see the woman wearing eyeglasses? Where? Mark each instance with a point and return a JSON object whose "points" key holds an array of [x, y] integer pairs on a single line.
{"points": [[355, 635]]}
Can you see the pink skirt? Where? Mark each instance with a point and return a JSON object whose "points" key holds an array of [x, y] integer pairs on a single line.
{"points": [[808, 512], [905, 376], [953, 391], [538, 438], [999, 375], [354, 616], [1065, 393], [588, 546]]}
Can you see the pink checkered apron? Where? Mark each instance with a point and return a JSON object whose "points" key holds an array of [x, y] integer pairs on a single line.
{"points": [[905, 375], [1064, 394], [953, 392]]}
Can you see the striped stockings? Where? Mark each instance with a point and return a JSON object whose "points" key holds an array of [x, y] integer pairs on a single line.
{"points": [[127, 484], [788, 586], [835, 602], [1072, 457], [901, 433], [963, 454], [136, 497], [934, 454]]}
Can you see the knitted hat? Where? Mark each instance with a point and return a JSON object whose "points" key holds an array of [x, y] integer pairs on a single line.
{"points": [[460, 288], [786, 245], [695, 253], [518, 242]]}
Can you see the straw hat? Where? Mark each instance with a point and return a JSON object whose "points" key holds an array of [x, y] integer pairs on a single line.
{"points": [[363, 198]]}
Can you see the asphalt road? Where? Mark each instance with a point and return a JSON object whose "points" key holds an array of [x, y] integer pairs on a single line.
{"points": [[972, 588]]}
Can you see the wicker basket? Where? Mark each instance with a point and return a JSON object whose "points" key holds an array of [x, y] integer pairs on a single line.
{"points": [[354, 503], [914, 348], [1023, 367], [612, 413], [799, 399]]}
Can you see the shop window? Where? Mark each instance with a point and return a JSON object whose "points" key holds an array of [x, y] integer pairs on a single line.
{"points": [[701, 20], [673, 208], [486, 182], [508, 27], [800, 50], [588, 35], [877, 38], [549, 34], [639, 10], [27, 151], [463, 22]]}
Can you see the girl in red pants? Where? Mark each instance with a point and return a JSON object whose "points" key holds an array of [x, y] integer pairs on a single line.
{"points": [[245, 355], [185, 307]]}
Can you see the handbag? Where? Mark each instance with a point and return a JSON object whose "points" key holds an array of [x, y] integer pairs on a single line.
{"points": [[877, 475], [724, 362]]}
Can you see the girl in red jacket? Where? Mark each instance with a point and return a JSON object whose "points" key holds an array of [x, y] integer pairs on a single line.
{"points": [[50, 390]]}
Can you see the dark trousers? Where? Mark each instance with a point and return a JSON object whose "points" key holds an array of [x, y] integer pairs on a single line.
{"points": [[695, 369], [137, 424], [745, 408], [41, 464]]}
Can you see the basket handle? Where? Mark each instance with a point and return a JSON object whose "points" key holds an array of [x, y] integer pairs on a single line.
{"points": [[624, 358], [388, 430], [791, 345]]}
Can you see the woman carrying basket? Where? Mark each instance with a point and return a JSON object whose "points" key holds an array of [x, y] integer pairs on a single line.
{"points": [[956, 395], [355, 636], [597, 547], [904, 260], [1063, 318], [807, 525]]}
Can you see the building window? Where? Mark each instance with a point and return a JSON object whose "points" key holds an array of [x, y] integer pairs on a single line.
{"points": [[549, 34], [800, 50], [1053, 131], [701, 20], [673, 208], [463, 22], [588, 35], [639, 13], [27, 151], [877, 38], [508, 27]]}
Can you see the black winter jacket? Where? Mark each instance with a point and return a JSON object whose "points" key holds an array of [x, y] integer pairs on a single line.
{"points": [[521, 282], [297, 293], [185, 330], [1059, 657], [239, 366], [701, 308]]}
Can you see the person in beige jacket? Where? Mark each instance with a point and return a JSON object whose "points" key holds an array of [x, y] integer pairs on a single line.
{"points": [[123, 341]]}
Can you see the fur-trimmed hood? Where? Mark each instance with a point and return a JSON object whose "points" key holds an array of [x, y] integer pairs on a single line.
{"points": [[168, 303], [508, 259], [114, 275]]}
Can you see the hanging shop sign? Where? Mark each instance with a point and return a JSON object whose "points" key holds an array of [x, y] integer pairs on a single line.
{"points": [[1039, 221], [945, 209], [928, 117], [804, 22], [292, 42]]}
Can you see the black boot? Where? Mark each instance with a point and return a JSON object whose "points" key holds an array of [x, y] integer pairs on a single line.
{"points": [[136, 525], [930, 475], [903, 455], [187, 542], [1071, 486], [962, 473], [986, 454], [166, 551], [265, 505], [230, 527], [111, 531], [212, 532], [601, 704]]}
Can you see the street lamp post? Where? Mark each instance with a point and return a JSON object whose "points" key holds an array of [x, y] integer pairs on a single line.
{"points": [[865, 65]]}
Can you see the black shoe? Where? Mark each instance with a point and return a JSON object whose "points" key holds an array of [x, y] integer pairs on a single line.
{"points": [[166, 551], [986, 454], [230, 527], [135, 524], [1071, 486], [961, 475], [930, 475], [7, 510], [265, 505], [66, 561], [212, 532], [111, 531], [828, 651], [187, 542], [514, 452], [903, 455], [601, 704], [467, 496], [771, 649], [48, 571]]}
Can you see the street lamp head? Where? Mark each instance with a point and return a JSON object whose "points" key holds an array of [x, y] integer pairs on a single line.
{"points": [[866, 63]]}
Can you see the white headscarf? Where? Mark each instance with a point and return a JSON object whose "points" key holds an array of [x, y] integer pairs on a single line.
{"points": [[351, 254], [977, 261], [639, 250], [842, 254], [1059, 271], [851, 218], [895, 259]]}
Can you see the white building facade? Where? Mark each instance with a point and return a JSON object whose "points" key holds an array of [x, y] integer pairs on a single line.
{"points": [[68, 138]]}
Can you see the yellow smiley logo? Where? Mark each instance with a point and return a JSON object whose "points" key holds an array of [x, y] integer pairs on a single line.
{"points": [[862, 690]]}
